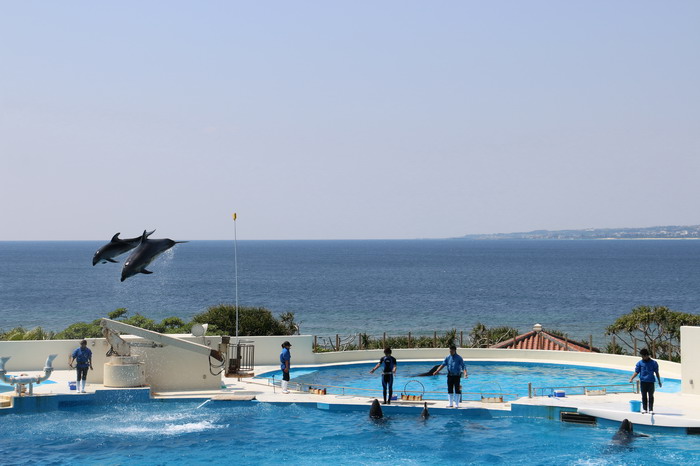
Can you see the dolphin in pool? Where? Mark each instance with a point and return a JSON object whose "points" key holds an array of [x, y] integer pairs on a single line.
{"points": [[116, 247], [375, 411], [425, 414], [144, 254], [625, 434], [430, 372]]}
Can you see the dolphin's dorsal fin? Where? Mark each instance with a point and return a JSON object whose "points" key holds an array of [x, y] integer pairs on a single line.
{"points": [[150, 233], [115, 238], [144, 236]]}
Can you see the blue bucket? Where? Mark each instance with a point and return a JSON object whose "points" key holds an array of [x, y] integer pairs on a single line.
{"points": [[71, 385], [635, 406]]}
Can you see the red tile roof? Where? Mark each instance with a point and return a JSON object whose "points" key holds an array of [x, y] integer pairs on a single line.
{"points": [[542, 341]]}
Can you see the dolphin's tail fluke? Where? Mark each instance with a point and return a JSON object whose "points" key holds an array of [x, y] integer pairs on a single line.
{"points": [[425, 414]]}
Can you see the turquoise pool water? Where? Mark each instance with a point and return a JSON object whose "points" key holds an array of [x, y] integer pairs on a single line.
{"points": [[484, 377], [4, 387], [164, 433]]}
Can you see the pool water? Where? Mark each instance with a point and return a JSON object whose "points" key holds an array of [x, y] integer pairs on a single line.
{"points": [[257, 433], [4, 387], [484, 377]]}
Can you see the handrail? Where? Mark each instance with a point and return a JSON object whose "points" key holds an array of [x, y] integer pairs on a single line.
{"points": [[532, 390], [360, 389]]}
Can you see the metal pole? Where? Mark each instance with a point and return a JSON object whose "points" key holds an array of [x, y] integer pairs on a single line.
{"points": [[235, 265]]}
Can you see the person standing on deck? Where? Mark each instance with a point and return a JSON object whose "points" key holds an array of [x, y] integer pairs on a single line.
{"points": [[455, 367], [285, 364], [646, 368], [389, 364], [83, 358]]}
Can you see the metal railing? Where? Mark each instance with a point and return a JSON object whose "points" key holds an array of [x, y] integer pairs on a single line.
{"points": [[340, 390], [240, 357], [582, 389]]}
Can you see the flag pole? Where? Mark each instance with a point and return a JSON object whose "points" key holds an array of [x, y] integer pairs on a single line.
{"points": [[235, 265]]}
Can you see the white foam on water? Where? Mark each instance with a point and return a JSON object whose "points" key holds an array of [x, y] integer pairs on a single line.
{"points": [[177, 429], [168, 428]]}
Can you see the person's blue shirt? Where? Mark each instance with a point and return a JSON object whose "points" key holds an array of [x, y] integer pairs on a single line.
{"points": [[82, 357], [388, 362], [285, 356], [646, 370], [455, 364]]}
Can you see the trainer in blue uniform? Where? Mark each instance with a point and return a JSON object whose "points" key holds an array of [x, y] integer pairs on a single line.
{"points": [[285, 364], [389, 364], [83, 357], [646, 368], [455, 367]]}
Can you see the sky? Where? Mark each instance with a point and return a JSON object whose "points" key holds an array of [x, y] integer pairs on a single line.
{"points": [[346, 119]]}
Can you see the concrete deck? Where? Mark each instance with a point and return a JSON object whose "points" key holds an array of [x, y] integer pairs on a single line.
{"points": [[674, 412]]}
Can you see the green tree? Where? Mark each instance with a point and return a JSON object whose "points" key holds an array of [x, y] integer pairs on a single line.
{"points": [[20, 333], [80, 330], [251, 321], [657, 328], [483, 337]]}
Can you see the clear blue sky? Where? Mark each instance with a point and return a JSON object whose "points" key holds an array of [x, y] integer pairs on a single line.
{"points": [[346, 119]]}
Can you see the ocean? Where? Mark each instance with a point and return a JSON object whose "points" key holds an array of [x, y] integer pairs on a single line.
{"points": [[373, 286]]}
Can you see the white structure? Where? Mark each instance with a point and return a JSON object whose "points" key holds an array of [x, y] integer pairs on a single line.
{"points": [[690, 351], [173, 368]]}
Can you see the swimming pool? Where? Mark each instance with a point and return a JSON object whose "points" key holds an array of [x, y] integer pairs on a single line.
{"points": [[178, 432], [484, 377]]}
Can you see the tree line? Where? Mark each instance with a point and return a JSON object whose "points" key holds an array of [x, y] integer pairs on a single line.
{"points": [[656, 328]]}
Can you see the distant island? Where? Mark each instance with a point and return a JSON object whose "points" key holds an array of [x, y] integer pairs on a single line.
{"points": [[666, 232]]}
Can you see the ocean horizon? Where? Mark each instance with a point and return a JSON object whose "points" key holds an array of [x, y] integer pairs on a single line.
{"points": [[351, 286]]}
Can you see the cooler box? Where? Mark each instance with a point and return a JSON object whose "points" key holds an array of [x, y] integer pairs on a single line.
{"points": [[635, 406], [559, 393]]}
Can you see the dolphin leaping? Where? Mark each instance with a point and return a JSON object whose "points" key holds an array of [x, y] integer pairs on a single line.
{"points": [[116, 247], [144, 254]]}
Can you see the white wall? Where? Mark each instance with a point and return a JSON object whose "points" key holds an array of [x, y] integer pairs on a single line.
{"points": [[690, 351], [174, 369], [167, 368], [268, 349], [30, 356], [611, 361]]}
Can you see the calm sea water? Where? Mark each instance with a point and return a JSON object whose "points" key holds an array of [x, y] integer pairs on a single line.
{"points": [[578, 287]]}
